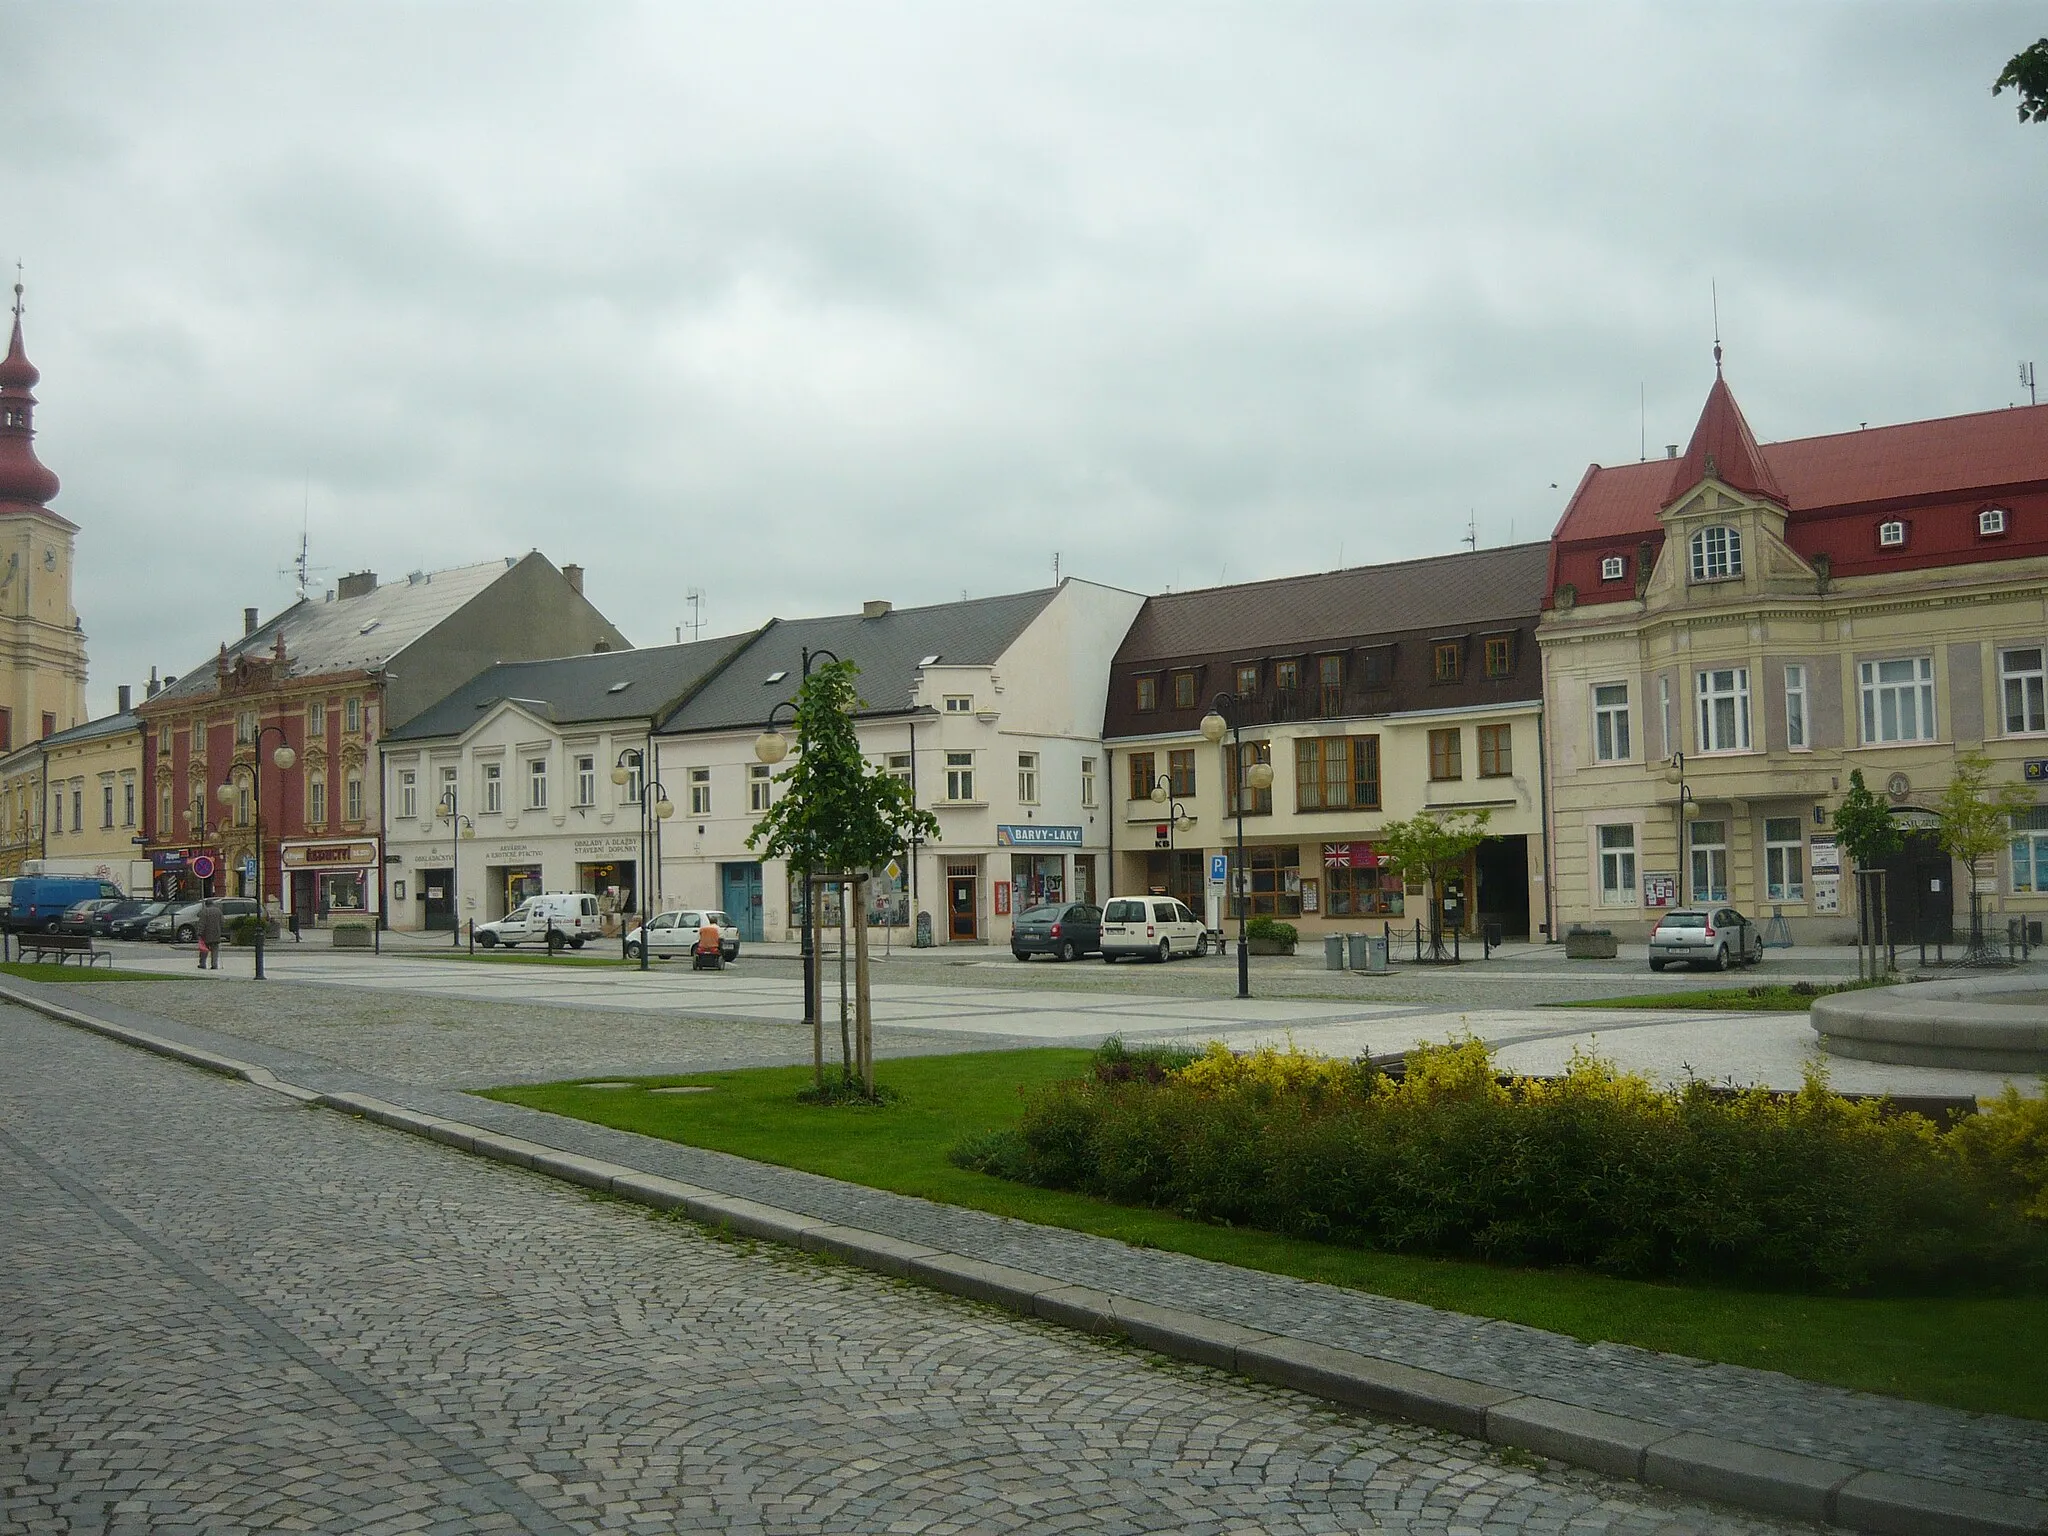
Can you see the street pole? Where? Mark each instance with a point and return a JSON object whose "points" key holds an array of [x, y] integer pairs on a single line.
{"points": [[1260, 777]]}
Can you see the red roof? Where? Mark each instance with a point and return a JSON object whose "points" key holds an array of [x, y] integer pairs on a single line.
{"points": [[1945, 470]]}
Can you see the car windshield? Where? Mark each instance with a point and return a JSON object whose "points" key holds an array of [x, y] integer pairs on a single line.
{"points": [[1684, 920]]}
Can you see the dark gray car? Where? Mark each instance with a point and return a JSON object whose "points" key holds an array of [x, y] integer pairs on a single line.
{"points": [[1710, 935], [1068, 929]]}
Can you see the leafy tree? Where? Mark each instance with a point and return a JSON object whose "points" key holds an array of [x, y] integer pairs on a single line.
{"points": [[839, 814], [2027, 73], [1864, 824], [1431, 846], [1974, 827]]}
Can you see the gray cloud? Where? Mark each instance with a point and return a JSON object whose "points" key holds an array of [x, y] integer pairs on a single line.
{"points": [[802, 305]]}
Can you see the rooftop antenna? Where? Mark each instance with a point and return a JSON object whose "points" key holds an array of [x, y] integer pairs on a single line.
{"points": [[694, 598], [1471, 539], [1055, 567], [1714, 289], [299, 568], [2026, 378], [1642, 422]]}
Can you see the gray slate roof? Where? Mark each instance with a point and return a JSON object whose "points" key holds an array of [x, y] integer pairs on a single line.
{"points": [[887, 650], [572, 689], [91, 730], [1443, 592], [353, 633]]}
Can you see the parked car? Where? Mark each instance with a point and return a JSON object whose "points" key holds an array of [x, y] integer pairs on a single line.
{"points": [[78, 917], [554, 918], [131, 925], [1155, 926], [37, 903], [181, 923], [675, 933], [1712, 936], [1068, 929]]}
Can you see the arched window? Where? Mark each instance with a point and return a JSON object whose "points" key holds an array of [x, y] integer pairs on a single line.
{"points": [[1716, 553]]}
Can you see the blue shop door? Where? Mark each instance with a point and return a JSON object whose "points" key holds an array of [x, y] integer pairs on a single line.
{"points": [[742, 903]]}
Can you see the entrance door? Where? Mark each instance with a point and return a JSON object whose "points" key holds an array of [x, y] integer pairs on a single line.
{"points": [[305, 896], [437, 891], [1919, 892], [1502, 868], [963, 924], [740, 886]]}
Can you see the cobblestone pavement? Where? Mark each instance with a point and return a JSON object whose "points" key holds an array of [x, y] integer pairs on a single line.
{"points": [[1762, 1407], [224, 1312]]}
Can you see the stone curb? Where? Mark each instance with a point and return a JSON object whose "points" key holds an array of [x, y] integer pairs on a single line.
{"points": [[1731, 1472]]}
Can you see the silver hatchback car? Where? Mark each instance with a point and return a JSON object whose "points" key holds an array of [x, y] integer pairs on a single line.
{"points": [[1711, 936]]}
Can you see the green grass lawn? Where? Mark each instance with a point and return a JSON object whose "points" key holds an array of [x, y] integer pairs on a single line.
{"points": [[1974, 1353], [1775, 998], [51, 971]]}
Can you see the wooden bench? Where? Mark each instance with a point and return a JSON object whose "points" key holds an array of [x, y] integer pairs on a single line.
{"points": [[63, 946]]}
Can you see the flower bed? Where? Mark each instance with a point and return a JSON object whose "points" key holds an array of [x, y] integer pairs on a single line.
{"points": [[1598, 1168]]}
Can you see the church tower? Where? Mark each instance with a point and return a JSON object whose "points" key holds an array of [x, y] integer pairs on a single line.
{"points": [[42, 646]]}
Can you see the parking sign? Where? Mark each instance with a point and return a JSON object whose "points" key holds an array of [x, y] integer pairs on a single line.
{"points": [[1219, 868]]}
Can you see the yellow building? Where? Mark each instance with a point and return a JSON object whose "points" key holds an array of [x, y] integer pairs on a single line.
{"points": [[1730, 634], [42, 647], [71, 804]]}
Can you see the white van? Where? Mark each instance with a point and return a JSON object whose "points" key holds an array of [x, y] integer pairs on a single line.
{"points": [[553, 918], [1155, 926]]}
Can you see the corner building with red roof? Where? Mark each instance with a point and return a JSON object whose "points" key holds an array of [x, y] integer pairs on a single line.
{"points": [[1728, 634]]}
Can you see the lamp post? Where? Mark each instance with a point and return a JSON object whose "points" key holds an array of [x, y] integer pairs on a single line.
{"points": [[771, 747], [459, 827], [1177, 818], [284, 757], [1688, 810], [195, 831], [1226, 713], [654, 804]]}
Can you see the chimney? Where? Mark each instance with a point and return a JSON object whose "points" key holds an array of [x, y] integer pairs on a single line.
{"points": [[126, 697], [874, 608], [573, 574], [356, 584], [248, 621], [154, 687], [1671, 450]]}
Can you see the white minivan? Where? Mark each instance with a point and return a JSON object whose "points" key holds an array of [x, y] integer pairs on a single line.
{"points": [[554, 919], [1154, 926]]}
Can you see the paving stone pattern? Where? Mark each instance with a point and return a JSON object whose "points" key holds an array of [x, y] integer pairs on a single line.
{"points": [[1738, 1403], [225, 1312]]}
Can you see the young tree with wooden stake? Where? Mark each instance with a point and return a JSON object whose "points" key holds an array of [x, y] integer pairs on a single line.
{"points": [[1868, 833], [1431, 846], [1973, 828], [838, 816]]}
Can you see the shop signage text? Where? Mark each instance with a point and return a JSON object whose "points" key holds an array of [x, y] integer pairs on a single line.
{"points": [[1031, 835]]}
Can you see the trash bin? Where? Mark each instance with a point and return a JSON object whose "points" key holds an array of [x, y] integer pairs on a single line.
{"points": [[1355, 942], [1333, 951], [1494, 935], [1376, 954]]}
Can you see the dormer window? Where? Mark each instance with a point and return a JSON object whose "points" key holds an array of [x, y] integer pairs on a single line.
{"points": [[1613, 567], [1716, 553], [1991, 522], [1148, 695], [1891, 535]]}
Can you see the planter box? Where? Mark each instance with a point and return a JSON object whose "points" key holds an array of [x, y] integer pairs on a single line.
{"points": [[351, 937], [1590, 944], [1268, 947]]}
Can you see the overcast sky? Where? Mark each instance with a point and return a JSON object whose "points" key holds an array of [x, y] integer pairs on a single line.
{"points": [[804, 305]]}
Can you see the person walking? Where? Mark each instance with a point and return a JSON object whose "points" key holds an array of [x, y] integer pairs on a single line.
{"points": [[210, 932]]}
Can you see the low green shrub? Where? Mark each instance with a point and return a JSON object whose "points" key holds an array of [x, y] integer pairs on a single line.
{"points": [[1270, 928], [242, 930], [1597, 1168]]}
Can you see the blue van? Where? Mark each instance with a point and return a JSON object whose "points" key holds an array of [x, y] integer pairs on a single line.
{"points": [[37, 901]]}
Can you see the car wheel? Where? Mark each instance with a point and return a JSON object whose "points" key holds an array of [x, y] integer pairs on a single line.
{"points": [[1202, 947], [556, 943], [575, 943], [1721, 958], [488, 940], [1068, 951], [187, 934], [1108, 958], [1656, 965], [1165, 950], [732, 954], [632, 950], [1019, 954]]}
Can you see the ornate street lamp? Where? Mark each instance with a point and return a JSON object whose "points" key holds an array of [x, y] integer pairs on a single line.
{"points": [[459, 827], [1688, 811], [655, 805], [1226, 713], [284, 757]]}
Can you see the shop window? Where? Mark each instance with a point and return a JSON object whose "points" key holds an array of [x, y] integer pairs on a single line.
{"points": [[1784, 859], [1275, 881], [2030, 851], [1362, 892]]}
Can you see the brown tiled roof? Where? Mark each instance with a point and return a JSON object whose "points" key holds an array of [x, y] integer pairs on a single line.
{"points": [[1264, 617]]}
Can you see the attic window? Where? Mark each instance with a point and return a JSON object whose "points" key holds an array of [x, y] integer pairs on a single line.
{"points": [[369, 626], [930, 661], [1991, 522], [1613, 567], [1891, 535], [619, 687], [776, 677]]}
